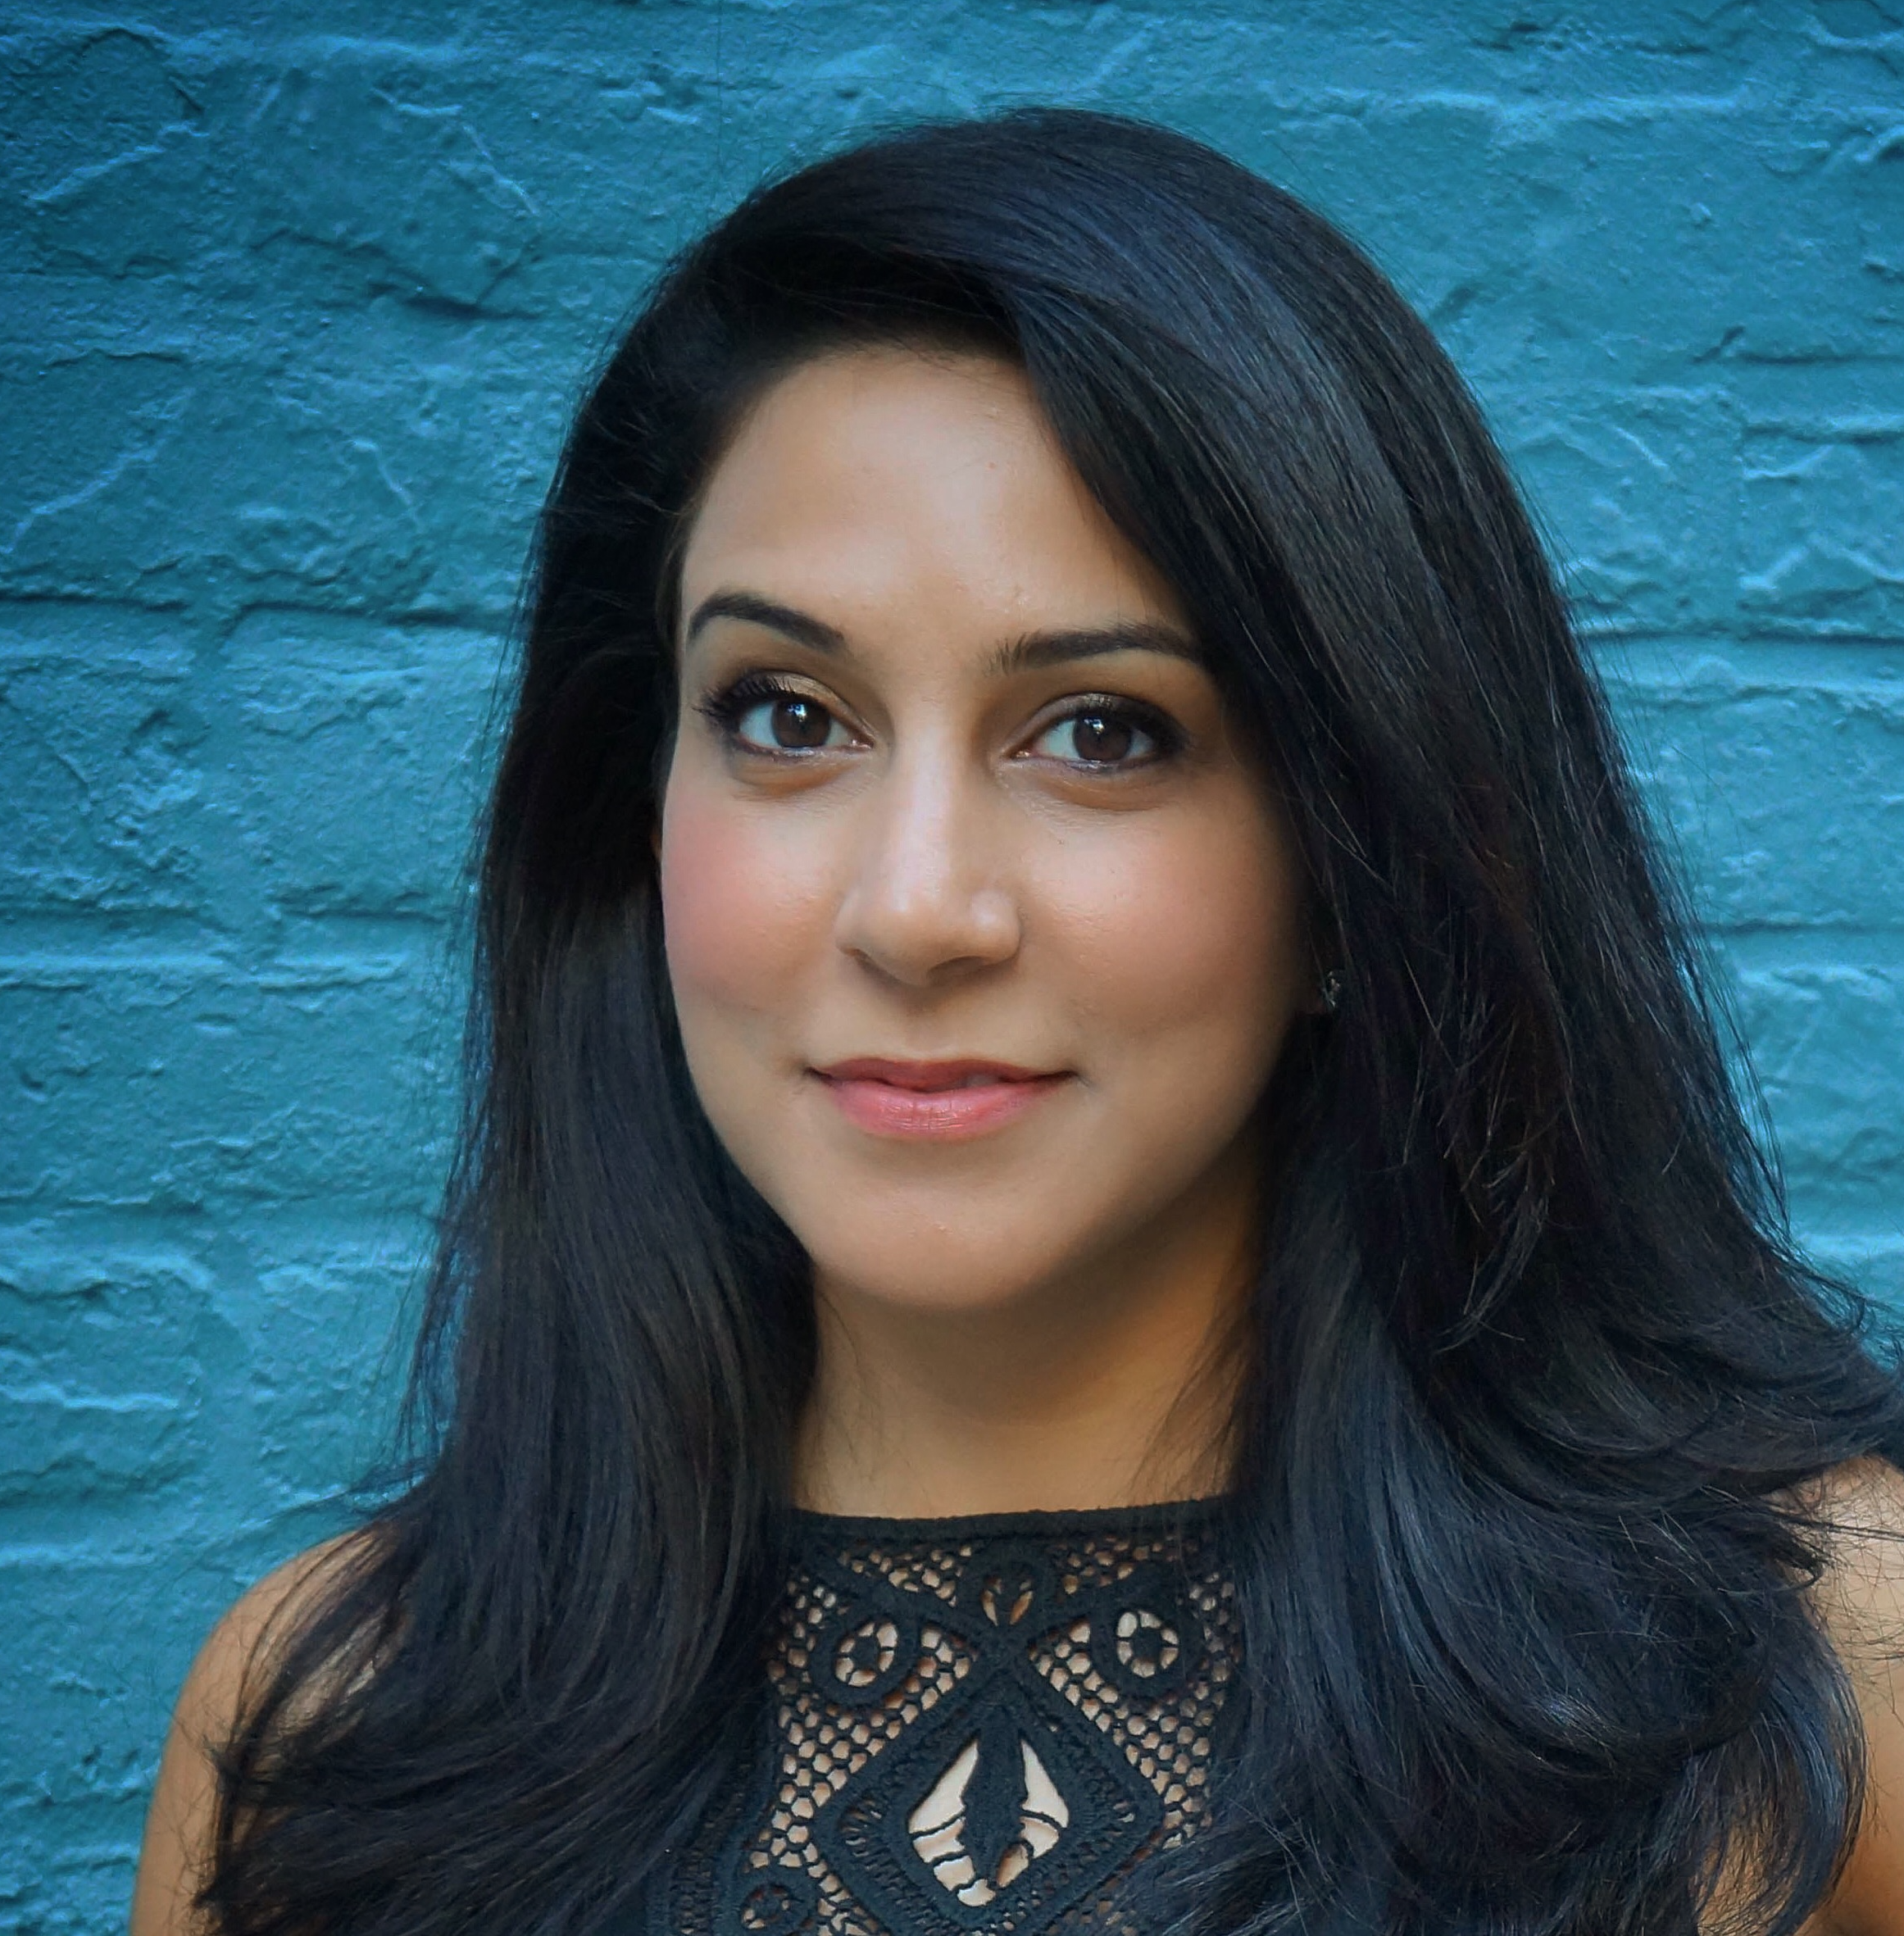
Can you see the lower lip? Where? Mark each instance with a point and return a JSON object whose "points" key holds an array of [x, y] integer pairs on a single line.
{"points": [[940, 1116]]}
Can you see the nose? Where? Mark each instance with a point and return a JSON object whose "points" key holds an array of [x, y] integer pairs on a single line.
{"points": [[925, 905]]}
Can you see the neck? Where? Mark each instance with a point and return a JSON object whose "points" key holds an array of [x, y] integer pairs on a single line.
{"points": [[1113, 1388]]}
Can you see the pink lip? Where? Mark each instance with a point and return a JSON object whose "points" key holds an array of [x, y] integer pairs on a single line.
{"points": [[948, 1101]]}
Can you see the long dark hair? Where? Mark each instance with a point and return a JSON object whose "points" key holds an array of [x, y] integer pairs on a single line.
{"points": [[1515, 1527]]}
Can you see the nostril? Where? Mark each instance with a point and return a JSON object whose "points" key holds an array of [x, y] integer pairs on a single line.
{"points": [[928, 929]]}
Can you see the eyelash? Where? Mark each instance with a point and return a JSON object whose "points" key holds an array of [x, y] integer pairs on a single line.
{"points": [[1166, 736], [728, 707]]}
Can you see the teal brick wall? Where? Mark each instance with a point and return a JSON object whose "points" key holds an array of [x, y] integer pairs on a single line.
{"points": [[295, 297]]}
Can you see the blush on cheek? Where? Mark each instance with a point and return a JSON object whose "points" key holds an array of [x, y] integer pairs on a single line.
{"points": [[1204, 933], [741, 915]]}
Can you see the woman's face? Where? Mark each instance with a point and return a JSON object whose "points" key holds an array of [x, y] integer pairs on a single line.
{"points": [[985, 932]]}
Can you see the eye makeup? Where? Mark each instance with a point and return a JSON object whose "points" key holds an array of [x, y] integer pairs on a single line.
{"points": [[776, 716], [788, 718], [1106, 733]]}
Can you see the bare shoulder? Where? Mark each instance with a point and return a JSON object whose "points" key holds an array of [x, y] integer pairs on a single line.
{"points": [[1861, 1605], [178, 1830]]}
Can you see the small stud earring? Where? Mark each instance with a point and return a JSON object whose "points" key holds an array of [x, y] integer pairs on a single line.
{"points": [[1331, 991]]}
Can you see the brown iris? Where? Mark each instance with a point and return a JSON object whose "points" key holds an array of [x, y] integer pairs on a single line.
{"points": [[1100, 739], [800, 724]]}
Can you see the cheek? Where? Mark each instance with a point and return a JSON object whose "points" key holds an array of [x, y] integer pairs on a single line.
{"points": [[1193, 934], [741, 904]]}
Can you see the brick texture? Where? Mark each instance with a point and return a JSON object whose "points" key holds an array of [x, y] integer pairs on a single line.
{"points": [[293, 299]]}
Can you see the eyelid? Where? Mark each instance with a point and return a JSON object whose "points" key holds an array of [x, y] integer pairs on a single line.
{"points": [[725, 707], [728, 704], [758, 683], [1170, 737]]}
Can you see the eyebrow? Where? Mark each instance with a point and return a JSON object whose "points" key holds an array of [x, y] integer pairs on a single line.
{"points": [[1037, 650], [1032, 653], [752, 610]]}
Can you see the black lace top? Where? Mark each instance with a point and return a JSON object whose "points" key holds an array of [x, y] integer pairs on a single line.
{"points": [[973, 1726]]}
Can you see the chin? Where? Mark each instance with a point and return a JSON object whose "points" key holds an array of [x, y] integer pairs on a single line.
{"points": [[923, 1269]]}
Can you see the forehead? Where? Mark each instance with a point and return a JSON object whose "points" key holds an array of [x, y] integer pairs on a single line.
{"points": [[873, 477]]}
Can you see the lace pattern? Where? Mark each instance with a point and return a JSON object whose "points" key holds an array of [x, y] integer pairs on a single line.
{"points": [[976, 1728]]}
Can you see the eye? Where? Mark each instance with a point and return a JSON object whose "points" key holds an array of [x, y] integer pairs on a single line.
{"points": [[1102, 734], [759, 718], [789, 723]]}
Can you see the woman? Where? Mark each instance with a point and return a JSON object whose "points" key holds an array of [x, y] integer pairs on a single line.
{"points": [[1104, 1273]]}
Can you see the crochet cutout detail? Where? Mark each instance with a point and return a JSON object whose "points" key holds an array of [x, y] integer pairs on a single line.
{"points": [[976, 1728]]}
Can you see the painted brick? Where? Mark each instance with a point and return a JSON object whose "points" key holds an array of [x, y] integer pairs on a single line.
{"points": [[1641, 238], [1779, 776], [173, 1085], [1640, 491], [120, 1322], [1875, 1264], [461, 228], [323, 1367], [1828, 1044], [1824, 523], [161, 502], [78, 1727], [355, 762], [103, 809], [324, 523], [293, 300]]}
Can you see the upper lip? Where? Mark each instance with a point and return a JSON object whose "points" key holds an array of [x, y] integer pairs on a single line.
{"points": [[964, 1071]]}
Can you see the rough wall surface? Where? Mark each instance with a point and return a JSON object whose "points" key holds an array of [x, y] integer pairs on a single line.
{"points": [[296, 297]]}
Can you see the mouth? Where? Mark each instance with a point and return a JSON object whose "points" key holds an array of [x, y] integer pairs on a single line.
{"points": [[946, 1101]]}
